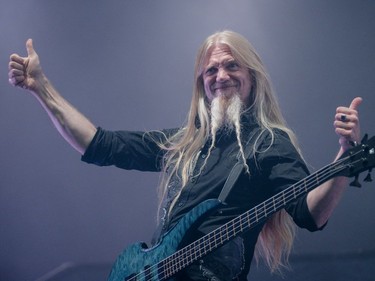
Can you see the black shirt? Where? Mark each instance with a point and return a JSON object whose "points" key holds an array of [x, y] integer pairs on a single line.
{"points": [[273, 169]]}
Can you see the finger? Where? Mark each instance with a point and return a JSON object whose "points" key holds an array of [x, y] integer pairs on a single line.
{"points": [[344, 125], [15, 72], [16, 58], [342, 117], [347, 117], [17, 80], [15, 65], [29, 47], [355, 103], [348, 110], [343, 133]]}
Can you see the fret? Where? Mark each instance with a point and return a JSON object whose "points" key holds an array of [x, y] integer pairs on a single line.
{"points": [[190, 253], [194, 254], [221, 235], [260, 211], [265, 209], [215, 240], [161, 270], [206, 243], [248, 220], [244, 221], [209, 244], [206, 246], [201, 248], [233, 229], [317, 178], [278, 200], [174, 267], [301, 188], [256, 215], [168, 270], [304, 188], [174, 264], [226, 231], [180, 262], [187, 253]]}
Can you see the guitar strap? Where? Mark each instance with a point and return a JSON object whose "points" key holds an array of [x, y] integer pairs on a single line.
{"points": [[238, 167]]}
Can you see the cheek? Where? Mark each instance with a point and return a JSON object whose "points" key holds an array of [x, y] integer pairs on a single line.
{"points": [[248, 88], [246, 91], [247, 83], [207, 89], [206, 83], [209, 96]]}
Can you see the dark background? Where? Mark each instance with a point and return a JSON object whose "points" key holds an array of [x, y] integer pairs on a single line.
{"points": [[129, 65]]}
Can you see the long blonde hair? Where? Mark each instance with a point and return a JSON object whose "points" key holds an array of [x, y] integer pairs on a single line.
{"points": [[276, 238]]}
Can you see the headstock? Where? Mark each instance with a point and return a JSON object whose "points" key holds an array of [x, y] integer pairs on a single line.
{"points": [[360, 158]]}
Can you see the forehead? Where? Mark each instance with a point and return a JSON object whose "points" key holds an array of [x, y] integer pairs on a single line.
{"points": [[219, 54]]}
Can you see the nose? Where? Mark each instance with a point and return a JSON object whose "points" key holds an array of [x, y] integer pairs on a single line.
{"points": [[222, 75]]}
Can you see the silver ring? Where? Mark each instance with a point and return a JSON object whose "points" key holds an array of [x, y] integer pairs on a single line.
{"points": [[343, 118]]}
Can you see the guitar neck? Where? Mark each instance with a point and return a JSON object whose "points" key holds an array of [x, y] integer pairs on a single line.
{"points": [[248, 220], [163, 261]]}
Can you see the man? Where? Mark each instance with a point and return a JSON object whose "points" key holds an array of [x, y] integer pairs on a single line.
{"points": [[234, 117]]}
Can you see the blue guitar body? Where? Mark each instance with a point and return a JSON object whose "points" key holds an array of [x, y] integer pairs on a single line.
{"points": [[137, 262]]}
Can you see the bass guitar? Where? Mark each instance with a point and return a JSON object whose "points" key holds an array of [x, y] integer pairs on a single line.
{"points": [[166, 259]]}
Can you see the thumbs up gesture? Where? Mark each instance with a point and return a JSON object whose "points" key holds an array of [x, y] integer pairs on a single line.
{"points": [[347, 125], [25, 72]]}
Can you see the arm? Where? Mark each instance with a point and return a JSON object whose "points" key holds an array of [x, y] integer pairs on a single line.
{"points": [[323, 200], [26, 72]]}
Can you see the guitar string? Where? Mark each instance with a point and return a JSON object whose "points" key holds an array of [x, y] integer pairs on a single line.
{"points": [[235, 228], [172, 260], [169, 266], [169, 271]]}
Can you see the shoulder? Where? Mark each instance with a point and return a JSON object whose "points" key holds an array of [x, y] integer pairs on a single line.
{"points": [[268, 139], [276, 146]]}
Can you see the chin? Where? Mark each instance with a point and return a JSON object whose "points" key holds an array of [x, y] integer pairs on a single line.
{"points": [[226, 93]]}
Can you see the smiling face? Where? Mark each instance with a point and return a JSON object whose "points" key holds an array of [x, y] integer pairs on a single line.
{"points": [[224, 76]]}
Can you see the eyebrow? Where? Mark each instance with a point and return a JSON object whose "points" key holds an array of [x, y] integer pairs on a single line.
{"points": [[216, 63]]}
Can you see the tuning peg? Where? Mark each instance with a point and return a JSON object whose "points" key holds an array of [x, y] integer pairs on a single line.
{"points": [[364, 139], [368, 178], [353, 143], [355, 182]]}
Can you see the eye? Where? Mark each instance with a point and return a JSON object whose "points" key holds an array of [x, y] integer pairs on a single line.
{"points": [[233, 65], [210, 71]]}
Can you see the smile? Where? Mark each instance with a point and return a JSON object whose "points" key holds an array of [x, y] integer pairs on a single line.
{"points": [[223, 87]]}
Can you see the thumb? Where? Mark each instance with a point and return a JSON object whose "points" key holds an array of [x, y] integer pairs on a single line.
{"points": [[29, 47], [355, 103]]}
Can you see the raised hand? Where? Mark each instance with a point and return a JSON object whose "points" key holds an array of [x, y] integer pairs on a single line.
{"points": [[25, 72], [347, 125]]}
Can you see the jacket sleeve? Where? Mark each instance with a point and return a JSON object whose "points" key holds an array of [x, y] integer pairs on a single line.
{"points": [[280, 167], [131, 150]]}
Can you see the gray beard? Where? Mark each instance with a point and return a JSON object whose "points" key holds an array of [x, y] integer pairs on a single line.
{"points": [[226, 113]]}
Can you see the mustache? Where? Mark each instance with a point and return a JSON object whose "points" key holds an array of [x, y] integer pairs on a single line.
{"points": [[219, 85]]}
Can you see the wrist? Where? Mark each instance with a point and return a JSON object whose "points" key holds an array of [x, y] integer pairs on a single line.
{"points": [[39, 84]]}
